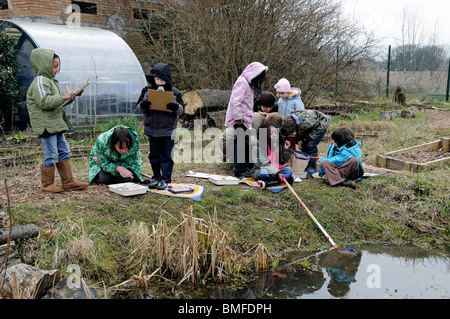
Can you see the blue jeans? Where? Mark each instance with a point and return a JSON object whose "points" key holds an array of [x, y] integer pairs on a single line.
{"points": [[55, 147], [311, 148], [264, 175], [160, 157]]}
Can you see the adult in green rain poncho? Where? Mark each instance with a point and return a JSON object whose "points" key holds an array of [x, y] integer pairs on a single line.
{"points": [[116, 157]]}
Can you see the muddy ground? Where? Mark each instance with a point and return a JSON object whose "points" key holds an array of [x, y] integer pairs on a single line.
{"points": [[24, 185]]}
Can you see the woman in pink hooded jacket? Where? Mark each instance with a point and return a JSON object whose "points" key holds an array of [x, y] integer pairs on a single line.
{"points": [[240, 112]]}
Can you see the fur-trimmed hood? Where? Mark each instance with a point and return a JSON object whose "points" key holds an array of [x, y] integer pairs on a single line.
{"points": [[253, 70], [295, 92]]}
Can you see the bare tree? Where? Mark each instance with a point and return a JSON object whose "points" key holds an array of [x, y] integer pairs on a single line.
{"points": [[210, 42]]}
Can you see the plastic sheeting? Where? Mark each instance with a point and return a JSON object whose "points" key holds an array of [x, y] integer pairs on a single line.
{"points": [[87, 54]]}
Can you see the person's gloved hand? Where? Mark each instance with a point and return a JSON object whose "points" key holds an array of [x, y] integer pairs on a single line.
{"points": [[172, 106], [145, 104]]}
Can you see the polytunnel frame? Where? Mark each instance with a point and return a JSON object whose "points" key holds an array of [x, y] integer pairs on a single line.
{"points": [[113, 91]]}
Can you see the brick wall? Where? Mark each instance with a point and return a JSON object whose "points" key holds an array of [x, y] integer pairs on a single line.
{"points": [[56, 9]]}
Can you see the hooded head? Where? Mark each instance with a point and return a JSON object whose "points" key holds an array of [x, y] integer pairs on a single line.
{"points": [[253, 70], [255, 74], [42, 61], [162, 71]]}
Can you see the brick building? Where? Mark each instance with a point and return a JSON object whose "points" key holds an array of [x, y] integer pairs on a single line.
{"points": [[119, 16]]}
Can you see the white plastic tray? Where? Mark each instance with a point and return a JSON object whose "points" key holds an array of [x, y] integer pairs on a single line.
{"points": [[223, 180], [128, 189]]}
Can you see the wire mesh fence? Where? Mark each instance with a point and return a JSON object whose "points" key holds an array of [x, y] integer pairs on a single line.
{"points": [[428, 84]]}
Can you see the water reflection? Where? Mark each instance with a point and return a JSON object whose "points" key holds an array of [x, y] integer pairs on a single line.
{"points": [[381, 272], [341, 267], [334, 269]]}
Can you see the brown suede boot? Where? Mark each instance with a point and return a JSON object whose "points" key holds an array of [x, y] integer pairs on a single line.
{"points": [[68, 183], [48, 180]]}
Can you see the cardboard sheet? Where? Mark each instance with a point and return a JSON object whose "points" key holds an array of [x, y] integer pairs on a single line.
{"points": [[159, 100]]}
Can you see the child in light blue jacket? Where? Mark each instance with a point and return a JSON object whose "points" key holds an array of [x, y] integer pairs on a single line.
{"points": [[342, 166], [290, 99]]}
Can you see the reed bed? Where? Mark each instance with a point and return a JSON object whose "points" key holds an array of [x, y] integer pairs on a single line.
{"points": [[192, 251]]}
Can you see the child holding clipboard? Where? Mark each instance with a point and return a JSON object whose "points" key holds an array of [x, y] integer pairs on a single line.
{"points": [[160, 125]]}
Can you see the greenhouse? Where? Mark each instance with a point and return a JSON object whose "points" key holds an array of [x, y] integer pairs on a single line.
{"points": [[92, 55]]}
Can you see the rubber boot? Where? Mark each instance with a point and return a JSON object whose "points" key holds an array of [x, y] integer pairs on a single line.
{"points": [[68, 183], [48, 180]]}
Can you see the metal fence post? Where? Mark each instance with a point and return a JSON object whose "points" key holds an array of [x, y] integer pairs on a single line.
{"points": [[448, 81], [388, 69]]}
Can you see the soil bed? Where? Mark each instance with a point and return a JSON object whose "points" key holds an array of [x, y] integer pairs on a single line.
{"points": [[422, 156]]}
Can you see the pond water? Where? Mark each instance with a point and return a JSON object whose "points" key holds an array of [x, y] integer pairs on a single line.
{"points": [[380, 272]]}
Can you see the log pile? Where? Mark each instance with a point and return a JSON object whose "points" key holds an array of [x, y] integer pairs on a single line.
{"points": [[22, 281], [333, 109], [19, 280], [207, 105], [210, 107], [211, 100]]}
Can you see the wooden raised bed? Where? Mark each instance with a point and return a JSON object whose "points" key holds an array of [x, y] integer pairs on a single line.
{"points": [[389, 160]]}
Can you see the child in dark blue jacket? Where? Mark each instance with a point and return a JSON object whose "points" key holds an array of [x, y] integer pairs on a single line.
{"points": [[160, 126], [342, 166]]}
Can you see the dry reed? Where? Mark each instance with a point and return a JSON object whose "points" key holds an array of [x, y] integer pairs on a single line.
{"points": [[190, 251], [262, 258], [139, 245], [193, 250]]}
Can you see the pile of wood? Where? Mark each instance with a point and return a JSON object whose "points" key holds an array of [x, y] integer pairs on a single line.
{"points": [[207, 105], [19, 280], [210, 106], [22, 281]]}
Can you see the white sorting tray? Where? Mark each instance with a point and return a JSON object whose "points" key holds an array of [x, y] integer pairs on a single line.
{"points": [[128, 189], [223, 180]]}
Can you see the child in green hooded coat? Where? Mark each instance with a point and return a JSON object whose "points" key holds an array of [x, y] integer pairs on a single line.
{"points": [[49, 121]]}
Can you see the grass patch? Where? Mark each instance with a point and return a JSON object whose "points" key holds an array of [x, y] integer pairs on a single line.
{"points": [[114, 238]]}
